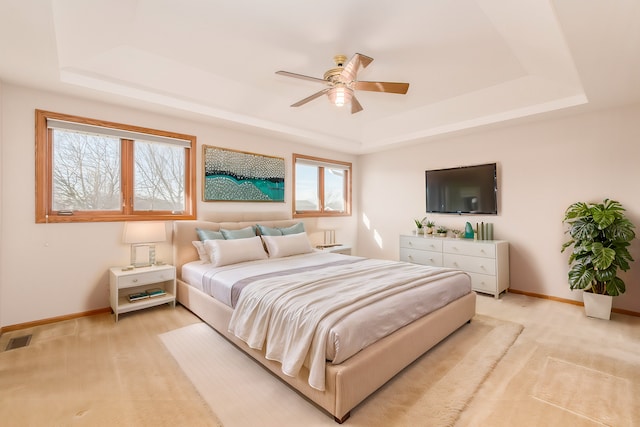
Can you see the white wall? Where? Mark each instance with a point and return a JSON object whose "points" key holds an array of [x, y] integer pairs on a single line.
{"points": [[543, 167], [51, 270]]}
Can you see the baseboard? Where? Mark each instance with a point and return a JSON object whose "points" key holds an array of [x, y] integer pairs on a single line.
{"points": [[570, 301], [53, 320]]}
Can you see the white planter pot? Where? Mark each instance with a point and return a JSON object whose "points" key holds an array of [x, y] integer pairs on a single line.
{"points": [[596, 305]]}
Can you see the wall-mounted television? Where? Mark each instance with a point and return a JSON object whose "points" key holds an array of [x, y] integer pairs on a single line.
{"points": [[463, 190]]}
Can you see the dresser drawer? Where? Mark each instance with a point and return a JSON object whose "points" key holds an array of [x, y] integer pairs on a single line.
{"points": [[470, 264], [483, 283], [421, 243], [421, 257], [145, 278], [487, 250]]}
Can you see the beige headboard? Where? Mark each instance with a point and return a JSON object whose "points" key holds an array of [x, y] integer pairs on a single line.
{"points": [[184, 232]]}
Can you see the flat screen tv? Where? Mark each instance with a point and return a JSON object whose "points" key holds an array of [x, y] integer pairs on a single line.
{"points": [[463, 190]]}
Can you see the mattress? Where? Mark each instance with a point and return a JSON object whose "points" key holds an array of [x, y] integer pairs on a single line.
{"points": [[355, 331]]}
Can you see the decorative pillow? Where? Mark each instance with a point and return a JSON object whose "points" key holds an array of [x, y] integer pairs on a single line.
{"points": [[287, 245], [243, 233], [209, 235], [269, 231], [202, 252], [225, 252], [294, 229], [279, 231]]}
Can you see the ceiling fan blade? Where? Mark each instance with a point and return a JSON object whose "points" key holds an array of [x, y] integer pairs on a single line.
{"points": [[389, 87], [355, 105], [300, 76], [310, 98], [350, 71]]}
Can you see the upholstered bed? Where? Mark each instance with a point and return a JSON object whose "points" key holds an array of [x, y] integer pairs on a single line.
{"points": [[344, 384]]}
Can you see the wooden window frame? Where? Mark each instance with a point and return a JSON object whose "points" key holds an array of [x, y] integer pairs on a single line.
{"points": [[322, 163], [44, 179]]}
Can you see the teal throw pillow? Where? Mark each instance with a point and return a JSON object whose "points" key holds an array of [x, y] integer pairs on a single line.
{"points": [[243, 233], [294, 229], [269, 231], [209, 234]]}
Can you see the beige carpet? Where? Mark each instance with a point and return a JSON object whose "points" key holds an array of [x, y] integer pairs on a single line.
{"points": [[432, 391]]}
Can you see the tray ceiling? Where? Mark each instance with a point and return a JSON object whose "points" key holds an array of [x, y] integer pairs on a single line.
{"points": [[469, 64]]}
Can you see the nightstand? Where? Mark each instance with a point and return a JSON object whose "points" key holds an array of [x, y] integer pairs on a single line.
{"points": [[337, 249], [123, 283]]}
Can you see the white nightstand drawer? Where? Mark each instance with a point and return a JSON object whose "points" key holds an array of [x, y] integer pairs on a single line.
{"points": [[470, 264], [483, 283], [421, 243], [487, 250], [421, 257], [145, 278]]}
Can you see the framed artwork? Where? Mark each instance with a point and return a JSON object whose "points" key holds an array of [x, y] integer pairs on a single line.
{"points": [[238, 176]]}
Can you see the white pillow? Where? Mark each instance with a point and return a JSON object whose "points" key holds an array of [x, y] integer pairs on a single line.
{"points": [[287, 245], [225, 252], [202, 252]]}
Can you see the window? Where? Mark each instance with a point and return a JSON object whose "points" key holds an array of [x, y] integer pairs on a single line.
{"points": [[91, 170], [321, 187]]}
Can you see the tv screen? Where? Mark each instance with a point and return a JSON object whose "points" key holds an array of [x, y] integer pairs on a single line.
{"points": [[463, 190]]}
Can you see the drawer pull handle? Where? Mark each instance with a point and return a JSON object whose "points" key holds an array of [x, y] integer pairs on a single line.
{"points": [[135, 280]]}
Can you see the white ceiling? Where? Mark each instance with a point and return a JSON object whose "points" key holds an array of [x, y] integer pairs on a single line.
{"points": [[469, 63]]}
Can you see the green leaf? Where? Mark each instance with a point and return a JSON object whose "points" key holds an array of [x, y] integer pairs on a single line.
{"points": [[606, 274], [603, 257], [615, 287], [603, 216], [580, 276], [576, 210]]}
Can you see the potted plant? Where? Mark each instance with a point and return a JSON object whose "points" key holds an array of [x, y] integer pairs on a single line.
{"points": [[600, 234], [419, 225], [441, 231], [429, 227]]}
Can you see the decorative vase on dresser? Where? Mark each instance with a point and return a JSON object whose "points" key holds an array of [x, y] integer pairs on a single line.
{"points": [[486, 261]]}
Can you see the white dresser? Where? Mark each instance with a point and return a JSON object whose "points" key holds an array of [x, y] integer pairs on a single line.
{"points": [[486, 261]]}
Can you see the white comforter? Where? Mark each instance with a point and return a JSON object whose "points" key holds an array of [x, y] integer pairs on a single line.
{"points": [[292, 316]]}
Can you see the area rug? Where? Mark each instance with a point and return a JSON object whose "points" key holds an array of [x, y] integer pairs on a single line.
{"points": [[432, 391], [575, 381], [560, 380]]}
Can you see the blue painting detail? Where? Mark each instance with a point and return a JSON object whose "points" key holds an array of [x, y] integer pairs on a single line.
{"points": [[238, 176]]}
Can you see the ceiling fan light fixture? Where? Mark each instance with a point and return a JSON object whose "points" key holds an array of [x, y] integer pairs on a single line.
{"points": [[340, 95]]}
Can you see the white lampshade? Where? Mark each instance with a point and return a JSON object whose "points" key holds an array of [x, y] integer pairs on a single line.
{"points": [[144, 232]]}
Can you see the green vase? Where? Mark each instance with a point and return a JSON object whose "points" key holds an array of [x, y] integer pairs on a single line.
{"points": [[468, 231]]}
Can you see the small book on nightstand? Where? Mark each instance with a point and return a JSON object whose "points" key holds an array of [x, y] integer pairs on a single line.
{"points": [[138, 296], [156, 292]]}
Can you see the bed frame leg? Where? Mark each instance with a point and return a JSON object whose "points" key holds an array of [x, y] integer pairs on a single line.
{"points": [[343, 419]]}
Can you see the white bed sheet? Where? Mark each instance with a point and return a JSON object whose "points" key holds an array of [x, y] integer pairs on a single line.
{"points": [[354, 332]]}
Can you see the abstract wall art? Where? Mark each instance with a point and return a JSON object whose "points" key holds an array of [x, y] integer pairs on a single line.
{"points": [[238, 176]]}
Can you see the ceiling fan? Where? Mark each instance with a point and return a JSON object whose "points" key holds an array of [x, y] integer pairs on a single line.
{"points": [[342, 82]]}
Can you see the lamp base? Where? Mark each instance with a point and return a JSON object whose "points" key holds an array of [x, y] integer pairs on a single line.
{"points": [[143, 255]]}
